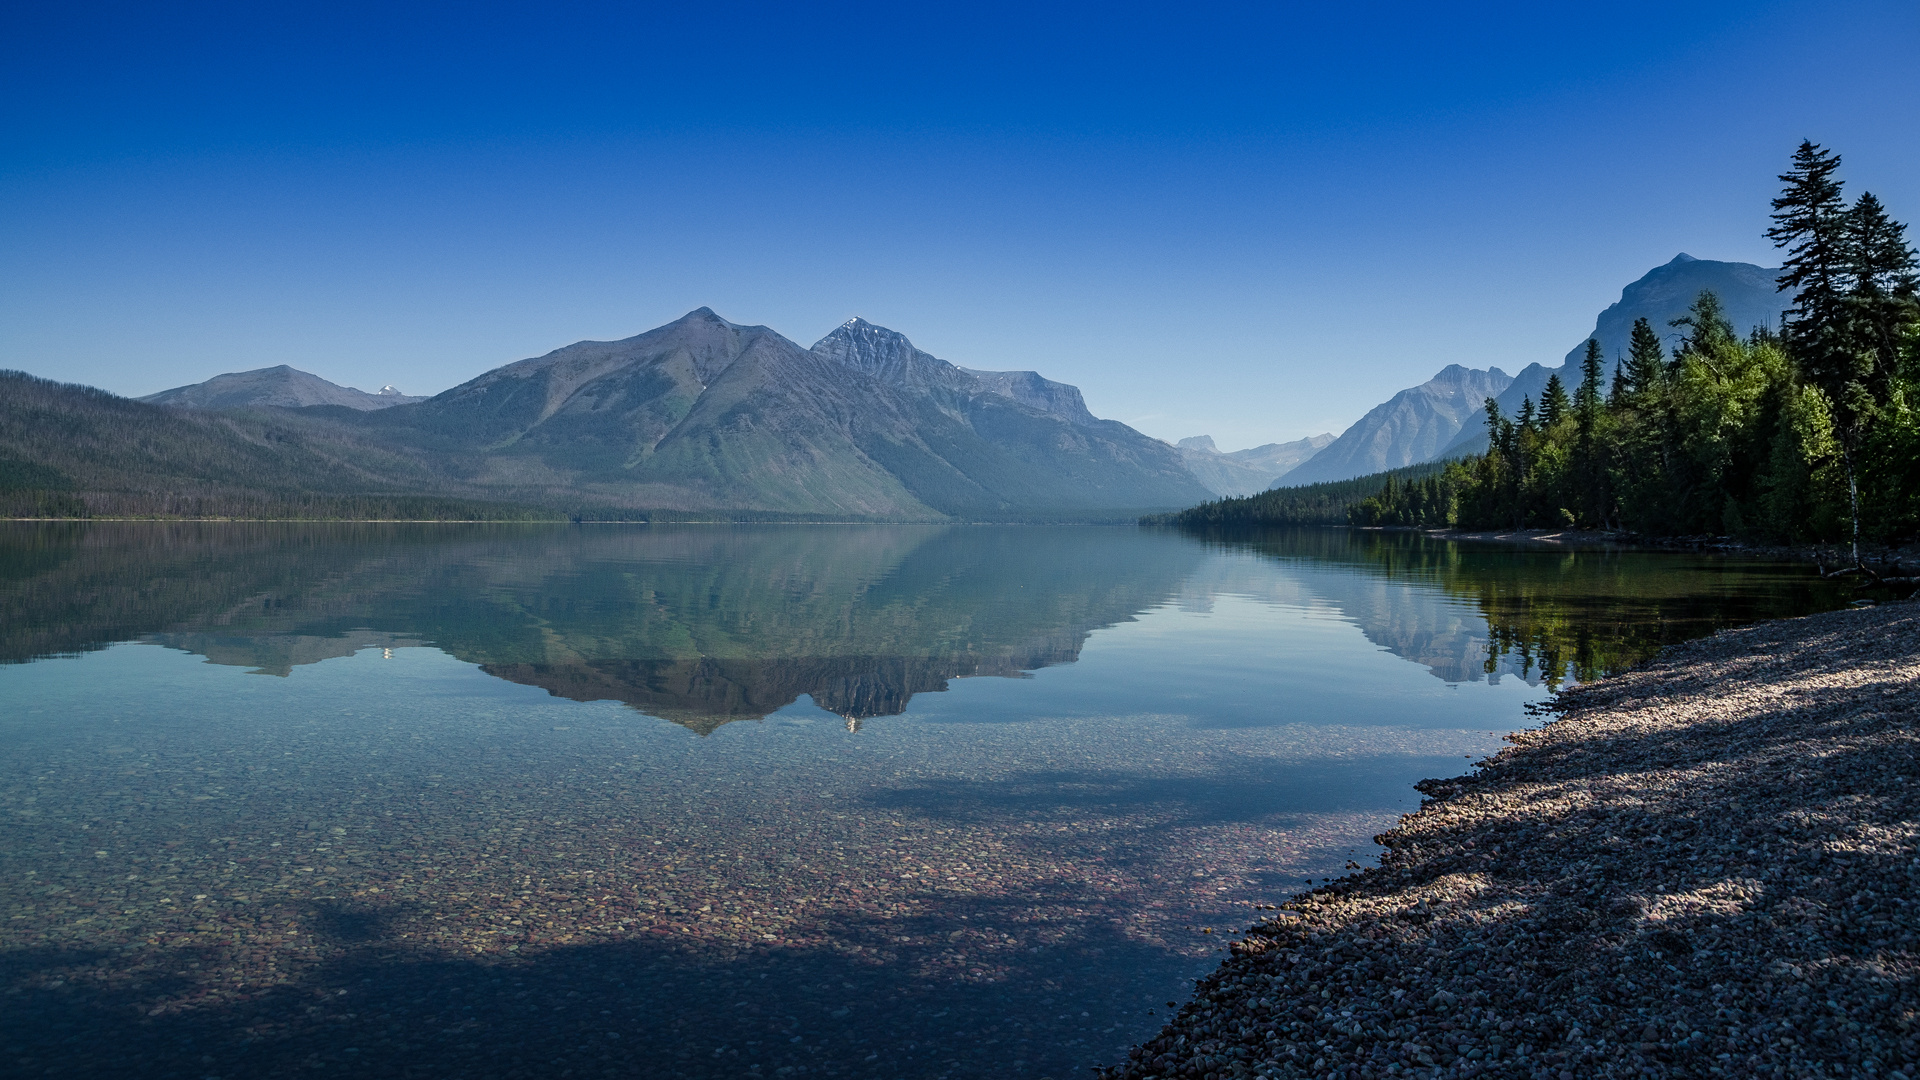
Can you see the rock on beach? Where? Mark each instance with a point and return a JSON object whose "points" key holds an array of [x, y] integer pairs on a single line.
{"points": [[1705, 867]]}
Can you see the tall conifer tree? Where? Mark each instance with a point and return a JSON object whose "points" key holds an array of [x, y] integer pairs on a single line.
{"points": [[1590, 471], [1554, 403], [1809, 221], [1586, 399], [1646, 364], [1822, 330], [1882, 286]]}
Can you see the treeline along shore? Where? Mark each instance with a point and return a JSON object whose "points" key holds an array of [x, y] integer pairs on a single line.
{"points": [[1802, 434], [1705, 867]]}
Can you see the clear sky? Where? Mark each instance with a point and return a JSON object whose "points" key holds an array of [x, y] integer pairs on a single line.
{"points": [[1253, 222]]}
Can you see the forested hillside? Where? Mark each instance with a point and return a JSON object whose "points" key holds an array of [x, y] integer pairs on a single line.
{"points": [[73, 451], [1329, 503], [1808, 434]]}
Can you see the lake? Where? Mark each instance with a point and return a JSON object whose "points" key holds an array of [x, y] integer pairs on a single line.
{"points": [[709, 801]]}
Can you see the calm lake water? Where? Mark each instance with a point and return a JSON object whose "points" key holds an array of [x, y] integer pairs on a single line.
{"points": [[706, 801]]}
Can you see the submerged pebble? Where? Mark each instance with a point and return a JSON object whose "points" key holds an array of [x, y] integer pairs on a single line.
{"points": [[1705, 868], [511, 900]]}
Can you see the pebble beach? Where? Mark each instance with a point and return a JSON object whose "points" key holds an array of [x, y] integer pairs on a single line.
{"points": [[1705, 867]]}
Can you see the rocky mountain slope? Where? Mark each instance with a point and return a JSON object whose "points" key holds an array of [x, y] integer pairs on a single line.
{"points": [[1412, 426], [281, 386], [705, 414]]}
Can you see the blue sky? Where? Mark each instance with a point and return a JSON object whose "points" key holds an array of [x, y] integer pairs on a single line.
{"points": [[1249, 221]]}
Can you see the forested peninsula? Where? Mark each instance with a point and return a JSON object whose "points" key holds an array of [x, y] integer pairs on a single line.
{"points": [[1804, 434]]}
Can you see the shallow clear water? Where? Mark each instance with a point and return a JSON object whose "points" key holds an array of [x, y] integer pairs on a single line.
{"points": [[707, 801]]}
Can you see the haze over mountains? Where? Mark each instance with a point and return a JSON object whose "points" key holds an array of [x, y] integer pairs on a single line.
{"points": [[1244, 472]]}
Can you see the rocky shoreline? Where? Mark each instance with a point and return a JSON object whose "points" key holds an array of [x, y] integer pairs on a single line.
{"points": [[1703, 867]]}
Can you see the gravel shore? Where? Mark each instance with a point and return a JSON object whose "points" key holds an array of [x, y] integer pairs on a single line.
{"points": [[1704, 867]]}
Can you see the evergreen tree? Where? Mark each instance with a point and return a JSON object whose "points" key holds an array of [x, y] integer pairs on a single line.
{"points": [[1646, 365], [1708, 331], [1586, 399], [1797, 435], [1881, 283], [1878, 256], [1822, 244], [1589, 467], [1554, 403], [1809, 221], [1885, 335]]}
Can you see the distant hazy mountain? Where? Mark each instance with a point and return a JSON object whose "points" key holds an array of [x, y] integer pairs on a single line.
{"points": [[1283, 456], [281, 386], [1244, 472], [704, 414], [1411, 426], [1747, 292]]}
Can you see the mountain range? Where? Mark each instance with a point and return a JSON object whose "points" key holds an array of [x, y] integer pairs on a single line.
{"points": [[705, 416], [699, 416], [1244, 472], [1427, 422]]}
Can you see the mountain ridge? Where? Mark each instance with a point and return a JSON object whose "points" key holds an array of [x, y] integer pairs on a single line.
{"points": [[279, 386], [1244, 472], [1410, 427], [703, 413]]}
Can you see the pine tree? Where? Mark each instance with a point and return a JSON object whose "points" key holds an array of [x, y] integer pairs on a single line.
{"points": [[1590, 473], [1809, 221], [1708, 330], [1823, 334], [1554, 403], [1646, 365], [1526, 414], [1586, 399], [1882, 286]]}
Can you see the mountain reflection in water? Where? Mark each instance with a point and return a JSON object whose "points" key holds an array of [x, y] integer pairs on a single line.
{"points": [[399, 859], [1543, 612], [706, 625]]}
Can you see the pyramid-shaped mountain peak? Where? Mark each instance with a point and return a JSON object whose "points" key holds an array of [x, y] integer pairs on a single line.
{"points": [[885, 354]]}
